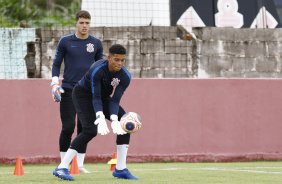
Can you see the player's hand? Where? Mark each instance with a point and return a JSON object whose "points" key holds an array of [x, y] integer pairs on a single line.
{"points": [[102, 124], [116, 126], [56, 89], [56, 92]]}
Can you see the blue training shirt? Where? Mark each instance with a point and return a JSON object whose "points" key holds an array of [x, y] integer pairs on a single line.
{"points": [[78, 55], [99, 81]]}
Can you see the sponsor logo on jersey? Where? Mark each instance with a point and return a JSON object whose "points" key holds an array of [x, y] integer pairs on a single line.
{"points": [[115, 82], [90, 47]]}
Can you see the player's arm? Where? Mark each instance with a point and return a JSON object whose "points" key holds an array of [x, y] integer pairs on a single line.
{"points": [[99, 54], [119, 91], [97, 103], [56, 88], [114, 106], [59, 56], [100, 117], [96, 91]]}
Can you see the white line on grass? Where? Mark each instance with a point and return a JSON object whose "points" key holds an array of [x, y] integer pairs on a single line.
{"points": [[261, 167], [220, 169], [6, 172], [241, 169], [170, 169], [104, 171], [27, 172], [238, 170]]}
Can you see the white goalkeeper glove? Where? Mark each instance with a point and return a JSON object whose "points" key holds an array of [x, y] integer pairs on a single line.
{"points": [[56, 89], [102, 124], [116, 125]]}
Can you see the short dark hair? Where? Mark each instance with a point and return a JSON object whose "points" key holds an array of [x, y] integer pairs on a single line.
{"points": [[83, 14], [117, 49]]}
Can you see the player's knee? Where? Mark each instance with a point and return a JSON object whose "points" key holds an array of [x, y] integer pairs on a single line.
{"points": [[68, 129], [123, 139], [88, 136], [90, 132]]}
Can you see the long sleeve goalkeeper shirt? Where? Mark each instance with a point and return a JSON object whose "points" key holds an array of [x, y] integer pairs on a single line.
{"points": [[78, 55], [101, 83]]}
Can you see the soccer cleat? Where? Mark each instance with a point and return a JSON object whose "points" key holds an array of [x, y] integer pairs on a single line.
{"points": [[124, 174], [62, 173], [83, 170]]}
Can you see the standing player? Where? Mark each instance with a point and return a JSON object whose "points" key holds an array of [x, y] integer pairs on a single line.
{"points": [[78, 51], [99, 92]]}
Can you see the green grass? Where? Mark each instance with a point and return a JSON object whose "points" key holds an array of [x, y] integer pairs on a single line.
{"points": [[154, 173]]}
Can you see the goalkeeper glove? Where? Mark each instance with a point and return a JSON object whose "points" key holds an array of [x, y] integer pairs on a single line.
{"points": [[102, 124], [116, 125], [56, 89]]}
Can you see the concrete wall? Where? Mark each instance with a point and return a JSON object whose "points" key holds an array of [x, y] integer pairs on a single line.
{"points": [[15, 54], [183, 120], [239, 53], [154, 52]]}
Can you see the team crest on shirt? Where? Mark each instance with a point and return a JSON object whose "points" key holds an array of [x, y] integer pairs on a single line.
{"points": [[90, 47], [115, 82]]}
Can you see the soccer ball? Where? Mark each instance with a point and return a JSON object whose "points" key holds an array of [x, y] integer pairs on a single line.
{"points": [[130, 122]]}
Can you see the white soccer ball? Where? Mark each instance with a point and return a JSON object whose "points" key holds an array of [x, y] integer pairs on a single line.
{"points": [[130, 122]]}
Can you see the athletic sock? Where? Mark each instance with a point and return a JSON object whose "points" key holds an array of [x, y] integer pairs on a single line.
{"points": [[68, 158], [80, 159], [121, 156], [62, 154]]}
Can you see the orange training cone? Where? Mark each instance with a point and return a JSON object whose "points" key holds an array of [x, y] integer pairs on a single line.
{"points": [[19, 168], [74, 166], [113, 162]]}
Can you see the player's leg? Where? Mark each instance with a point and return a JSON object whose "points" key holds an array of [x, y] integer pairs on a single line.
{"points": [[122, 142], [80, 156], [83, 103], [67, 113], [79, 126]]}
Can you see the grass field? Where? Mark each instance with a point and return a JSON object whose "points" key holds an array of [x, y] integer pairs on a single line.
{"points": [[154, 173]]}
